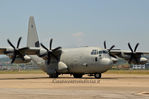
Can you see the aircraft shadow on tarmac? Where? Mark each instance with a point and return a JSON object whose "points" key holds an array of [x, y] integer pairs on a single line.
{"points": [[116, 78], [60, 78], [104, 78], [86, 78], [23, 78]]}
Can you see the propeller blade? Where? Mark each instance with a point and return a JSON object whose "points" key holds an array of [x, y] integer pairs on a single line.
{"points": [[55, 56], [16, 51], [105, 45], [130, 47], [19, 42], [113, 56], [111, 47], [136, 47], [133, 55], [44, 47], [49, 58], [10, 44], [50, 52], [13, 59], [51, 43], [130, 60], [56, 49], [24, 48], [135, 58], [22, 57]]}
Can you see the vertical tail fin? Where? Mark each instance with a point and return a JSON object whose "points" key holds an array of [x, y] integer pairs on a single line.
{"points": [[32, 39]]}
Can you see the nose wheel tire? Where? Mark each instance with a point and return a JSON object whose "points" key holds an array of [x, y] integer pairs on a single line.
{"points": [[98, 76], [77, 75]]}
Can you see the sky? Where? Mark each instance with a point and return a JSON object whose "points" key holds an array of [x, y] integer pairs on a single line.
{"points": [[75, 23]]}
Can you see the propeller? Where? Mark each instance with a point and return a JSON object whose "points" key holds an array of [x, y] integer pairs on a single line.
{"points": [[133, 53], [109, 50], [16, 51], [50, 52]]}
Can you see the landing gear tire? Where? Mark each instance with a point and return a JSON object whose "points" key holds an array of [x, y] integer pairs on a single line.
{"points": [[53, 75], [98, 76], [77, 75]]}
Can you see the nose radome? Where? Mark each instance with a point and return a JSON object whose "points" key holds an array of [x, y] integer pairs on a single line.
{"points": [[107, 61]]}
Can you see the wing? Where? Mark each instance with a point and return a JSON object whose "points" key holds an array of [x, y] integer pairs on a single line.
{"points": [[131, 57], [30, 50], [24, 51], [120, 52], [2, 50], [19, 55]]}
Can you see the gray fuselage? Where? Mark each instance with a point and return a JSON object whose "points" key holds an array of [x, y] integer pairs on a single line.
{"points": [[84, 60]]}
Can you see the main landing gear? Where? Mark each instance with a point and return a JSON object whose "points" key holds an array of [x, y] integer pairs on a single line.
{"points": [[97, 76], [77, 75], [53, 75]]}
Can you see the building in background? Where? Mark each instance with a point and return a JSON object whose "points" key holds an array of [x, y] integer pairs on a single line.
{"points": [[146, 66]]}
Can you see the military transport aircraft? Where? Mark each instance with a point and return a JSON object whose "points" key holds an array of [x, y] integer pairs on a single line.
{"points": [[75, 61]]}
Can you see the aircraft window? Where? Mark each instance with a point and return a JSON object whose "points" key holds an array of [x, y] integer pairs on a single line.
{"points": [[105, 52], [100, 52], [94, 52]]}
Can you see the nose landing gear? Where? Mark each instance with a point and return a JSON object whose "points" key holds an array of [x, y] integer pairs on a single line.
{"points": [[98, 76]]}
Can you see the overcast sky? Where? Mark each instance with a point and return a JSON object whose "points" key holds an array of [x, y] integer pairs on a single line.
{"points": [[74, 23]]}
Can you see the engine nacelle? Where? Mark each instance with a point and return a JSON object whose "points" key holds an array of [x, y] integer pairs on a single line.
{"points": [[19, 60], [62, 67], [139, 58], [143, 60]]}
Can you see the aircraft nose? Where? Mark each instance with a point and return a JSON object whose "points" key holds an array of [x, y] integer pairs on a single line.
{"points": [[107, 61]]}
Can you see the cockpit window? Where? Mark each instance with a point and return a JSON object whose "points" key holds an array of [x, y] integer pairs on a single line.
{"points": [[94, 52], [100, 52], [103, 52]]}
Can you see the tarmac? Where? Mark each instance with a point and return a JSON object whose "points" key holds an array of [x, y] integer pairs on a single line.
{"points": [[39, 86]]}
